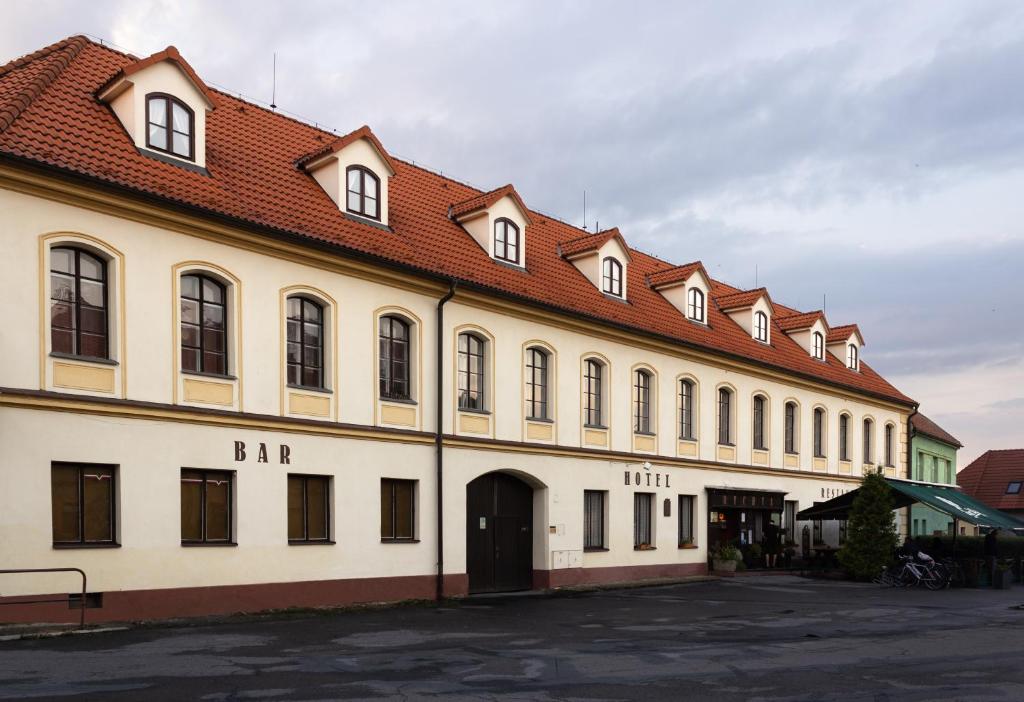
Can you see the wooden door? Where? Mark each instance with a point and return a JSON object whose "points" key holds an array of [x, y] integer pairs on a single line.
{"points": [[499, 534]]}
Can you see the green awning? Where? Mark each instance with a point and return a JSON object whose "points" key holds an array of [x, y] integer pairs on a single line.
{"points": [[945, 498]]}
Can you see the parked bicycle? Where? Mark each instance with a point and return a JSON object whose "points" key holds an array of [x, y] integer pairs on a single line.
{"points": [[909, 571]]}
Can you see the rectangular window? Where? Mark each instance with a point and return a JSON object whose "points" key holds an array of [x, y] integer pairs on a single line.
{"points": [[82, 501], [642, 503], [935, 469], [205, 506], [919, 473], [686, 520], [816, 527], [593, 519], [685, 409], [592, 393], [724, 417], [309, 509], [397, 510], [844, 431], [789, 517], [790, 427]]}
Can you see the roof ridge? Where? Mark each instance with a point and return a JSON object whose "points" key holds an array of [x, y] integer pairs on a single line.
{"points": [[67, 48]]}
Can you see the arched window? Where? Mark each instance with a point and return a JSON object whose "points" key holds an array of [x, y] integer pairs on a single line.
{"points": [[844, 437], [695, 304], [868, 447], [471, 371], [761, 327], [78, 303], [305, 343], [686, 409], [889, 441], [204, 326], [760, 404], [611, 280], [506, 241], [363, 192], [170, 126], [536, 383], [790, 420], [725, 416], [819, 432], [851, 356], [642, 402], [819, 346], [593, 372], [394, 358]]}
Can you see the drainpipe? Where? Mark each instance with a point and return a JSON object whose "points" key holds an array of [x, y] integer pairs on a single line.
{"points": [[439, 436], [910, 460]]}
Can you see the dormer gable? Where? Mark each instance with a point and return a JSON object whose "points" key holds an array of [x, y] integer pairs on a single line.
{"points": [[354, 171], [603, 258], [752, 310], [497, 220], [686, 287], [808, 329], [162, 104], [845, 343]]}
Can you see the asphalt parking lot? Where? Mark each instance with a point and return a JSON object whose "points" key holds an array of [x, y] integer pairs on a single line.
{"points": [[764, 638]]}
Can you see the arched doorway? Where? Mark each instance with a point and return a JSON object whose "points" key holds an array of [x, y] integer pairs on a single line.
{"points": [[499, 533]]}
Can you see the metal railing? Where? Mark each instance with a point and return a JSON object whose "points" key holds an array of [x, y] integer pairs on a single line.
{"points": [[82, 603]]}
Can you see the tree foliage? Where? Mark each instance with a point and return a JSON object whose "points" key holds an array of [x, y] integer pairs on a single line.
{"points": [[871, 529]]}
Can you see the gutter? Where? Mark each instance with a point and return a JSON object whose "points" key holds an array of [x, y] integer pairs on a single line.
{"points": [[910, 458], [439, 435]]}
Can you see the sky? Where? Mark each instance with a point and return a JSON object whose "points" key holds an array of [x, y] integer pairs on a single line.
{"points": [[864, 156]]}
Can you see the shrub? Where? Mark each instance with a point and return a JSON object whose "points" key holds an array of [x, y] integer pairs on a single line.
{"points": [[871, 529]]}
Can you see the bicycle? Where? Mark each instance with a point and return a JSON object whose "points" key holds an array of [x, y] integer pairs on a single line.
{"points": [[909, 572]]}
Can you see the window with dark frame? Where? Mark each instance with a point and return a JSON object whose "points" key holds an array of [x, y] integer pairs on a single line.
{"points": [[611, 280], [686, 409], [309, 509], [868, 428], [78, 303], [593, 519], [642, 402], [170, 126], [206, 507], [203, 325], [393, 352], [819, 432], [761, 327], [471, 372], [363, 192], [1013, 488], [592, 390], [686, 503], [844, 437], [397, 510], [889, 444], [725, 416], [83, 507], [642, 515], [816, 530], [305, 342], [536, 383], [851, 357], [819, 346], [695, 304], [759, 423], [790, 428], [506, 240], [789, 521]]}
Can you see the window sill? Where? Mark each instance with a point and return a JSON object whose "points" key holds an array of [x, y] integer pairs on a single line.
{"points": [[180, 161], [543, 420], [310, 388], [817, 455], [645, 548], [792, 453], [399, 400], [208, 544], [596, 549], [363, 219], [761, 448], [514, 265], [643, 433], [470, 410], [399, 541], [204, 374], [69, 546], [310, 543], [726, 445], [595, 426], [688, 438], [687, 547], [83, 359]]}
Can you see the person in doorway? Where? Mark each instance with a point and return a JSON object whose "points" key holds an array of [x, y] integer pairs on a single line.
{"points": [[771, 544]]}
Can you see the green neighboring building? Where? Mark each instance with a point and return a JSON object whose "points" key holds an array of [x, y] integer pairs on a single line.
{"points": [[933, 452]]}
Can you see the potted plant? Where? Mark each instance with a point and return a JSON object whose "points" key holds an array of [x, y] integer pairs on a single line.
{"points": [[1003, 576], [754, 555], [687, 543], [725, 558]]}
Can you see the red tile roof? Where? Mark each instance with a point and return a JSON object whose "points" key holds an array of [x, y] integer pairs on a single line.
{"points": [[49, 117], [168, 54], [364, 132], [742, 300], [842, 333], [485, 200], [800, 320], [923, 425], [676, 274], [988, 476], [590, 242]]}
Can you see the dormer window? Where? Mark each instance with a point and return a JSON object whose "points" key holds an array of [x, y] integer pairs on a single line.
{"points": [[851, 356], [761, 327], [506, 241], [818, 346], [170, 126], [363, 192], [695, 305], [611, 278]]}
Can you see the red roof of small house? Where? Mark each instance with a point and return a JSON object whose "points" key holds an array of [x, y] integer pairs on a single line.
{"points": [[924, 425], [485, 200], [591, 242], [742, 300], [843, 333], [168, 54], [51, 120], [800, 320], [364, 132], [989, 475], [676, 274]]}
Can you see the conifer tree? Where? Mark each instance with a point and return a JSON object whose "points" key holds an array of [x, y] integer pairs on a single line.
{"points": [[871, 529]]}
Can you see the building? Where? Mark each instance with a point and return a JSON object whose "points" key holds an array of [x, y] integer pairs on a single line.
{"points": [[995, 478], [250, 363], [934, 461]]}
